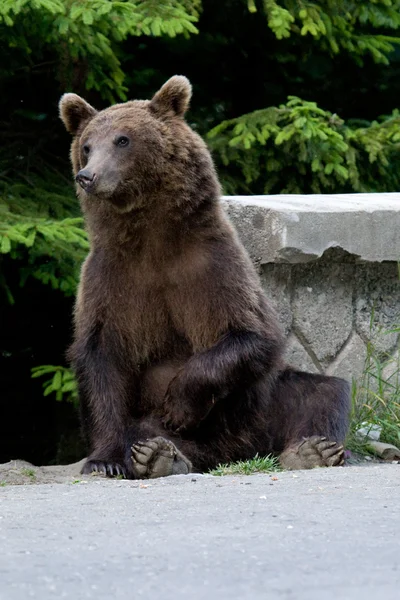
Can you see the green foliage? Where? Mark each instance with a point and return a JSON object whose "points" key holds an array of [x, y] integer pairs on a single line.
{"points": [[62, 383], [280, 20], [338, 26], [264, 464], [300, 148], [84, 35], [37, 228]]}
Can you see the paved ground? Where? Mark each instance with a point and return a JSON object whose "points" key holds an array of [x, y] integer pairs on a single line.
{"points": [[328, 534]]}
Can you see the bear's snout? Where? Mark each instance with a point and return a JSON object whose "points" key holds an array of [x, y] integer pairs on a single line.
{"points": [[86, 179]]}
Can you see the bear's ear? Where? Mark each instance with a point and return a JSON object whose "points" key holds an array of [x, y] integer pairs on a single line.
{"points": [[74, 111], [173, 98]]}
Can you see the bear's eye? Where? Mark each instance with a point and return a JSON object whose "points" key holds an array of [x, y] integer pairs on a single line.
{"points": [[86, 149], [122, 141]]}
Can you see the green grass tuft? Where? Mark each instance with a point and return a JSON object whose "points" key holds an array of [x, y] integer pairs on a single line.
{"points": [[376, 399], [29, 473], [265, 464]]}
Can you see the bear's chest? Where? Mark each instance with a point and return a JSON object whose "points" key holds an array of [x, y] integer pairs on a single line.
{"points": [[131, 301]]}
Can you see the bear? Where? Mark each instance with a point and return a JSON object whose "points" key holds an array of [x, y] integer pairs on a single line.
{"points": [[177, 353]]}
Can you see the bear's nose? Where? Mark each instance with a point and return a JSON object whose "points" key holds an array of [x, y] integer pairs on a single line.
{"points": [[85, 178]]}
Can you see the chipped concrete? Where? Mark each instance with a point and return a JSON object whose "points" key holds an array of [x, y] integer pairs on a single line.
{"points": [[296, 228]]}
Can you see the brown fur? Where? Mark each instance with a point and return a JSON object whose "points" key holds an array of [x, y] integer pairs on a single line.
{"points": [[173, 335]]}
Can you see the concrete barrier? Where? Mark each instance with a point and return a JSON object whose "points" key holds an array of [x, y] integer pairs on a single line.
{"points": [[330, 266]]}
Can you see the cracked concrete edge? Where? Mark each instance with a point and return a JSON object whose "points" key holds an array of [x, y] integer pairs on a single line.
{"points": [[298, 228]]}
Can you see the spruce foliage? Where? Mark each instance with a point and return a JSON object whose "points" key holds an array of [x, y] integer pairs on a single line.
{"points": [[298, 148]]}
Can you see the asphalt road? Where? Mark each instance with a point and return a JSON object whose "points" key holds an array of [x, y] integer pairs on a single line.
{"points": [[322, 534]]}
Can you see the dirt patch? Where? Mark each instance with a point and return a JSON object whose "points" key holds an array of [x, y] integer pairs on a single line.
{"points": [[20, 472]]}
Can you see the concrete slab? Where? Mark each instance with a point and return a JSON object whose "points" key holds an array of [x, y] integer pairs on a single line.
{"points": [[300, 228]]}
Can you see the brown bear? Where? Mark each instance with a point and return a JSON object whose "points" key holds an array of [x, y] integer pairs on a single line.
{"points": [[177, 353]]}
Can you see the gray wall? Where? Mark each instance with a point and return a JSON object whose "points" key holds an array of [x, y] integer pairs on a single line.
{"points": [[329, 266]]}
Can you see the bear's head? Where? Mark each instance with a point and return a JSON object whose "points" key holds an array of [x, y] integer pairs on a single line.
{"points": [[139, 152]]}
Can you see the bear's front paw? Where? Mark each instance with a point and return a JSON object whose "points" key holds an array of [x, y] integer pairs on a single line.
{"points": [[178, 418], [187, 403], [179, 412], [109, 468]]}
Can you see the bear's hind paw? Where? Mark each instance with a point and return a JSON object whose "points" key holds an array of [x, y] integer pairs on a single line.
{"points": [[158, 457], [312, 452]]}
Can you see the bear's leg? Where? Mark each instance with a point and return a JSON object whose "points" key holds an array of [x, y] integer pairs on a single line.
{"points": [[313, 417], [102, 387], [237, 360], [158, 457]]}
